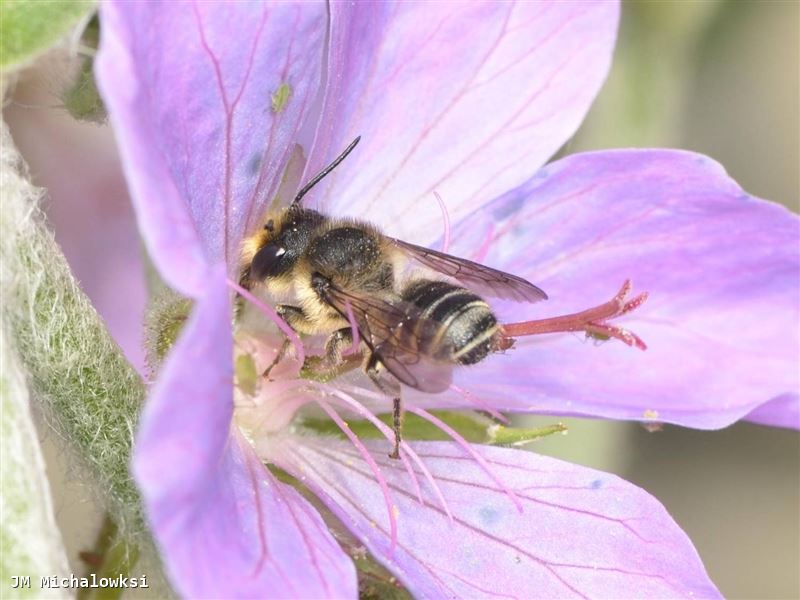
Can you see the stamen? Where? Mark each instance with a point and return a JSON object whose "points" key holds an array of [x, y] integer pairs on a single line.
{"points": [[372, 465], [480, 405], [468, 448], [362, 411], [592, 321], [273, 316], [446, 219], [354, 329]]}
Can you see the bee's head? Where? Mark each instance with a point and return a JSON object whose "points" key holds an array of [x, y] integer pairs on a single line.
{"points": [[281, 242]]}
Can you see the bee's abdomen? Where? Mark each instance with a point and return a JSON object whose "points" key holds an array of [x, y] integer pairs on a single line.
{"points": [[457, 326]]}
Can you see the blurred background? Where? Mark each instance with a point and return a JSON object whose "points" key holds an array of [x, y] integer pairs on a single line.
{"points": [[717, 77]]}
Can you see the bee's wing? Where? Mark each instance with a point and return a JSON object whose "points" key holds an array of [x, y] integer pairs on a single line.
{"points": [[393, 331], [479, 278]]}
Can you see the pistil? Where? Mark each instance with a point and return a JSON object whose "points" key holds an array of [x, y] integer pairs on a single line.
{"points": [[593, 321]]}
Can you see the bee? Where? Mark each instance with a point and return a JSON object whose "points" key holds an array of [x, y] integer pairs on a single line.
{"points": [[345, 274]]}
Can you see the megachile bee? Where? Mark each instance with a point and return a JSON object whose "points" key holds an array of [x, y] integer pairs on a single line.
{"points": [[345, 278]]}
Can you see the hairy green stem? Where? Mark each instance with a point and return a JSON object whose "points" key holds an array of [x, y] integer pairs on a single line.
{"points": [[90, 393]]}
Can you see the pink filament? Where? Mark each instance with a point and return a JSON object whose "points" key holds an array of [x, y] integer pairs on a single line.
{"points": [[273, 316], [389, 435], [372, 465], [359, 409], [479, 404], [468, 448], [446, 219]]}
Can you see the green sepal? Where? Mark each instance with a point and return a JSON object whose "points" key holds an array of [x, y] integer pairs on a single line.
{"points": [[473, 427], [29, 27], [112, 556], [375, 582], [516, 436], [82, 99], [166, 315]]}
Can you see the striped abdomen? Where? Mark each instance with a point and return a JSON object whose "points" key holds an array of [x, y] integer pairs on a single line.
{"points": [[464, 324]]}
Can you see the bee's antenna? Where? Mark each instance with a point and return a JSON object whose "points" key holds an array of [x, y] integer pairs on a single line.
{"points": [[304, 190]]}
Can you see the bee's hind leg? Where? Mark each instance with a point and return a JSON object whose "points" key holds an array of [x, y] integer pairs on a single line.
{"points": [[397, 406], [335, 362]]}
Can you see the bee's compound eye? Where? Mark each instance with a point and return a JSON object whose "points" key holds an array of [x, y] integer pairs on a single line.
{"points": [[268, 262]]}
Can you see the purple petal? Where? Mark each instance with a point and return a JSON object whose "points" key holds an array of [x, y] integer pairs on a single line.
{"points": [[781, 412], [721, 323], [466, 100], [581, 533], [226, 527], [77, 163], [206, 99]]}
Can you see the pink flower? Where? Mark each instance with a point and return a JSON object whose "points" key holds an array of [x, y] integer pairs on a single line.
{"points": [[208, 102]]}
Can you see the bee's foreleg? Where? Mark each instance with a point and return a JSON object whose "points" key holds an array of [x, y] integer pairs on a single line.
{"points": [[397, 406], [278, 357], [294, 318]]}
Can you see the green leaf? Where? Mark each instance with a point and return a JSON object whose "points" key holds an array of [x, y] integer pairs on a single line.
{"points": [[29, 27]]}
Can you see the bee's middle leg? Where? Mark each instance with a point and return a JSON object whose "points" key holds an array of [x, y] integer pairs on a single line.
{"points": [[397, 406]]}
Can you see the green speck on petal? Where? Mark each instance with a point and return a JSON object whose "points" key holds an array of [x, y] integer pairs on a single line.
{"points": [[598, 337], [280, 97], [28, 27]]}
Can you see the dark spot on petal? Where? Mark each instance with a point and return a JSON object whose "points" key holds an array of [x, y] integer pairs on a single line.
{"points": [[254, 164], [508, 208], [596, 484], [489, 516]]}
